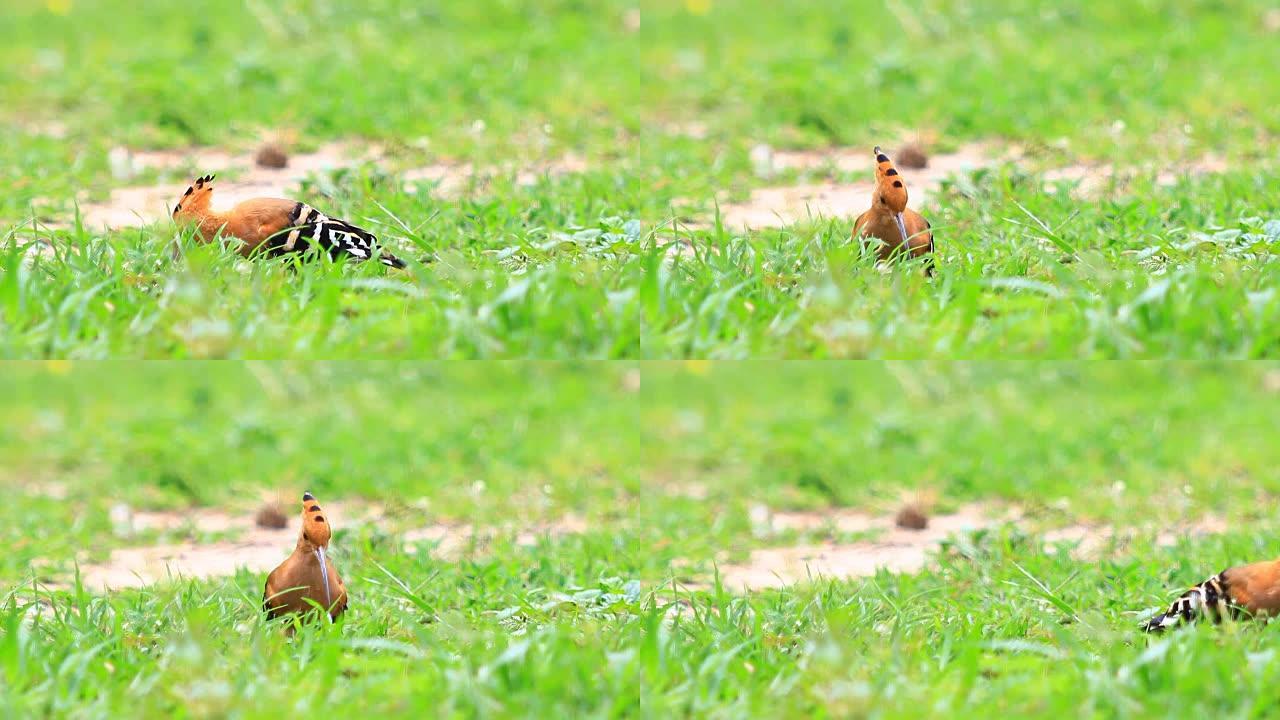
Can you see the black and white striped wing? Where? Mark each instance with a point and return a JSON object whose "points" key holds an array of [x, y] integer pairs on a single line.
{"points": [[340, 238], [1210, 598]]}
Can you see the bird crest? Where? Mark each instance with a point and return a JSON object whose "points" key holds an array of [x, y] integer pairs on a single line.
{"points": [[195, 201], [315, 528], [891, 191]]}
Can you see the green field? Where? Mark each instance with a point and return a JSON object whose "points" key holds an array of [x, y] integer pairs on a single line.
{"points": [[576, 624], [662, 103], [651, 495]]}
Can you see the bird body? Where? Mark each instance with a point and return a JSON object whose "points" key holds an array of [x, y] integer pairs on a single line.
{"points": [[308, 575], [276, 226], [1252, 590], [890, 221]]}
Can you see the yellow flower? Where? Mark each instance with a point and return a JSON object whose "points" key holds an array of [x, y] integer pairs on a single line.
{"points": [[698, 7], [697, 367]]}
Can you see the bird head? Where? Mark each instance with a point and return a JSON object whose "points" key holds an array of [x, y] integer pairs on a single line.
{"points": [[891, 192], [315, 526]]}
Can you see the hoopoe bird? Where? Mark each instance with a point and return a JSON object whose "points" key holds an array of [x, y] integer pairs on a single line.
{"points": [[276, 227], [308, 575], [1250, 590], [889, 220]]}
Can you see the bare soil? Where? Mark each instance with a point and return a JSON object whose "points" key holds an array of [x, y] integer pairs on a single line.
{"points": [[820, 193], [259, 549], [781, 205], [140, 205], [251, 547], [133, 206], [902, 550]]}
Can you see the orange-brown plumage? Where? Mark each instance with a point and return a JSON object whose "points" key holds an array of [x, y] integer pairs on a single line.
{"points": [[275, 226], [890, 221], [308, 575], [1256, 587], [1252, 589]]}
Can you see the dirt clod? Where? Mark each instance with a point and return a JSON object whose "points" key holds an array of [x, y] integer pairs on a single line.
{"points": [[271, 155], [271, 516], [911, 517], [913, 156]]}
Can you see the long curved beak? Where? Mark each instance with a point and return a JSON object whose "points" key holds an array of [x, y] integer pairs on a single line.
{"points": [[902, 226], [324, 577]]}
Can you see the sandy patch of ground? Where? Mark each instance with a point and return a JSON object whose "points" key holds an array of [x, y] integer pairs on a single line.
{"points": [[254, 548], [770, 206], [134, 206], [259, 549], [860, 160], [1090, 540], [50, 129], [693, 129], [452, 541], [894, 549], [844, 520], [631, 381], [126, 521], [51, 489], [140, 205], [1090, 180], [900, 550], [454, 180], [688, 490], [1271, 381], [781, 205]]}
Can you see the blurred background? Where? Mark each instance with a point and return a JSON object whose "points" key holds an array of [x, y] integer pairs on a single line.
{"points": [[624, 81], [671, 453], [547, 161]]}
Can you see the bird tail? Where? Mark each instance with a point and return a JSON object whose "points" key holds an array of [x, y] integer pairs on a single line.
{"points": [[1208, 598], [391, 260]]}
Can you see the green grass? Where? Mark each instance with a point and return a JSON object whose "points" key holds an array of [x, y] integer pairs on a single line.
{"points": [[571, 626], [660, 464], [571, 267]]}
